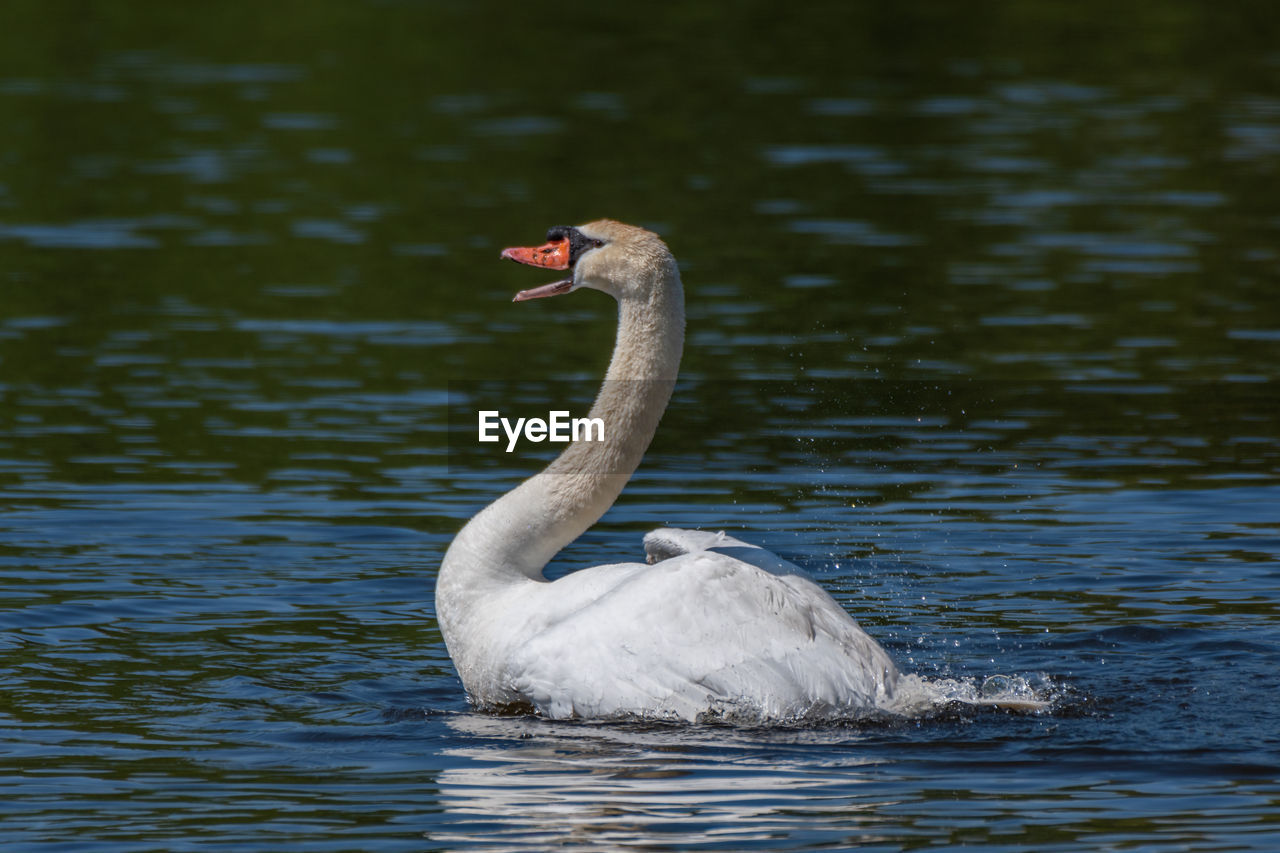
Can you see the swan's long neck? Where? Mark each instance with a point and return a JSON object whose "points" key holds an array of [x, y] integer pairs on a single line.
{"points": [[512, 539]]}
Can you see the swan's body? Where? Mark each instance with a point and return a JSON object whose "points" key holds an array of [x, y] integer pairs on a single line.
{"points": [[709, 627]]}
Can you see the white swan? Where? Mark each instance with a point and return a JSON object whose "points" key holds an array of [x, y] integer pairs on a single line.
{"points": [[711, 628]]}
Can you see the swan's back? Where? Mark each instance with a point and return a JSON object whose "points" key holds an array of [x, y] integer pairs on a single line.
{"points": [[700, 634]]}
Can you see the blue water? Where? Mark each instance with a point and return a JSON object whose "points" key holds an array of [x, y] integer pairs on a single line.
{"points": [[983, 332]]}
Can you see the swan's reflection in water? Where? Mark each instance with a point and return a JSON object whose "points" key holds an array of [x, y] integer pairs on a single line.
{"points": [[531, 783]]}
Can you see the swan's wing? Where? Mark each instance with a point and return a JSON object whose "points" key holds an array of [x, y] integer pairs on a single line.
{"points": [[667, 542], [697, 633]]}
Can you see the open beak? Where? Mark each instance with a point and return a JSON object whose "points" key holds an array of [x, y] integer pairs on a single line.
{"points": [[552, 256]]}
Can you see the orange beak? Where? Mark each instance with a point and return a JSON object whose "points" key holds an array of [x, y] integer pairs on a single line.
{"points": [[552, 256]]}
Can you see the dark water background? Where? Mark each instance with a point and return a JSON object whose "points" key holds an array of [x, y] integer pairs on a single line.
{"points": [[984, 330]]}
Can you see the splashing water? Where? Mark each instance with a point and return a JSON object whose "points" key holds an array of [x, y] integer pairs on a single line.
{"points": [[919, 697]]}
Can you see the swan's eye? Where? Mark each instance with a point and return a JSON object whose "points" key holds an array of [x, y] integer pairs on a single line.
{"points": [[578, 242]]}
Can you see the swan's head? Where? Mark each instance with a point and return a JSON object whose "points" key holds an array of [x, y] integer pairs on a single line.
{"points": [[622, 260]]}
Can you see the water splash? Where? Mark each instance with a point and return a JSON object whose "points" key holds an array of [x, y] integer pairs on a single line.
{"points": [[920, 697]]}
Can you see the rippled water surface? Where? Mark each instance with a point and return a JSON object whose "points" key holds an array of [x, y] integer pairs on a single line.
{"points": [[984, 330]]}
